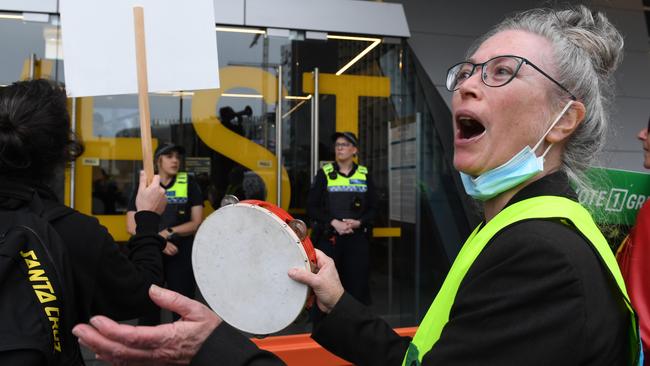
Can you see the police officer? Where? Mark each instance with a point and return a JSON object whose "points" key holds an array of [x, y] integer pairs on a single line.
{"points": [[342, 205], [178, 224]]}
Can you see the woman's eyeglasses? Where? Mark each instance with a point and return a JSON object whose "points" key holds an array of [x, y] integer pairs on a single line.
{"points": [[495, 72]]}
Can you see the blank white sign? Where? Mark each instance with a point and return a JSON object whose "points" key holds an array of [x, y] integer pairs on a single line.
{"points": [[99, 46]]}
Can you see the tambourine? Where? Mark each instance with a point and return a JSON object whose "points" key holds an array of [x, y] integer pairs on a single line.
{"points": [[241, 255]]}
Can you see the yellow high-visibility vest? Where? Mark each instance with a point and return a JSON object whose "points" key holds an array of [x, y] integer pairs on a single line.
{"points": [[178, 192], [543, 207]]}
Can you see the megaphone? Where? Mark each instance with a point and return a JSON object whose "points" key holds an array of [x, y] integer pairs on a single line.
{"points": [[248, 111], [227, 114]]}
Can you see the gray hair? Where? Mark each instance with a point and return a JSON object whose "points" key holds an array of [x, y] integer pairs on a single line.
{"points": [[587, 50]]}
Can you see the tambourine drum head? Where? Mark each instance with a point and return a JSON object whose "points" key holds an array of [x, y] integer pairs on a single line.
{"points": [[241, 257]]}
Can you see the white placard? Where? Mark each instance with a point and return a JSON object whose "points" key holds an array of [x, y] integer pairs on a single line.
{"points": [[99, 46]]}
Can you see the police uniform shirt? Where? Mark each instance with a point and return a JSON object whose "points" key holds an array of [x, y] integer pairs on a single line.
{"points": [[176, 213], [318, 202]]}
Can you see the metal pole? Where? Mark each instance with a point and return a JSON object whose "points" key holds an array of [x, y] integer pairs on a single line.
{"points": [[32, 65], [180, 119], [312, 156], [390, 276], [278, 138], [314, 127], [418, 222], [390, 239], [73, 163]]}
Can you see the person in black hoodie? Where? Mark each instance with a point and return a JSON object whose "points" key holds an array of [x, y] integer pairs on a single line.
{"points": [[35, 144]]}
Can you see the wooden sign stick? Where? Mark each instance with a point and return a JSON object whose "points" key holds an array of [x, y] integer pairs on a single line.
{"points": [[143, 92]]}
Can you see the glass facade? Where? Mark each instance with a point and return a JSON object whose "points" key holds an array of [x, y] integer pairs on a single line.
{"points": [[230, 139]]}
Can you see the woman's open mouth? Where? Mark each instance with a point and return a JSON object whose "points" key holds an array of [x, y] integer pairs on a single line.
{"points": [[469, 128]]}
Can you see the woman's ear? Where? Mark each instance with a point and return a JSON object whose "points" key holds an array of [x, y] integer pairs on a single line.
{"points": [[565, 127]]}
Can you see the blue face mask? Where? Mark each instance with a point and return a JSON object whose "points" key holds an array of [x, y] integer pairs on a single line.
{"points": [[523, 166]]}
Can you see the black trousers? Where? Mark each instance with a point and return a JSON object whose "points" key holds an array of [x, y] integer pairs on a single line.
{"points": [[351, 254], [179, 277]]}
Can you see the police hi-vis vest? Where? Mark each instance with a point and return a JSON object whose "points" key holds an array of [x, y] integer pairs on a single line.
{"points": [[543, 207], [347, 195], [177, 194]]}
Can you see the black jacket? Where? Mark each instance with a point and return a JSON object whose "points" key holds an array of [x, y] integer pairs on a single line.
{"points": [[106, 281], [536, 295]]}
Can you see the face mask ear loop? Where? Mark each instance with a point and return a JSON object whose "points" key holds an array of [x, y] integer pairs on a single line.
{"points": [[566, 108], [546, 151]]}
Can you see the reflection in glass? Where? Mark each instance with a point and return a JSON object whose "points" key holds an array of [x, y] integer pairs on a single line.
{"points": [[112, 183], [29, 50]]}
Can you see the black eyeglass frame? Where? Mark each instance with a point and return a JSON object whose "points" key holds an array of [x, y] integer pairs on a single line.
{"points": [[522, 61]]}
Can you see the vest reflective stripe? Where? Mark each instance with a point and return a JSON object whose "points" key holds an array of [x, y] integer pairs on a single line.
{"points": [[355, 183], [178, 192], [543, 207]]}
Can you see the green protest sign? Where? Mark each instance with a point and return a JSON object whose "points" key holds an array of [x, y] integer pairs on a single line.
{"points": [[615, 196]]}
